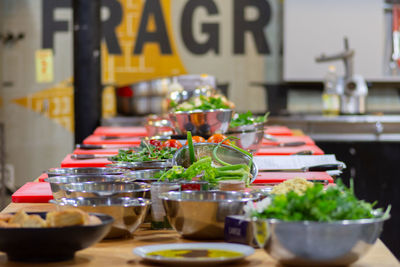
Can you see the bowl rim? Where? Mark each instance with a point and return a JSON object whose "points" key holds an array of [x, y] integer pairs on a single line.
{"points": [[200, 111], [141, 202], [105, 171], [164, 196], [340, 222], [143, 187], [49, 179]]}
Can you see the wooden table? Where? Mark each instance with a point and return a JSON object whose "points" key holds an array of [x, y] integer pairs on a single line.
{"points": [[119, 252]]}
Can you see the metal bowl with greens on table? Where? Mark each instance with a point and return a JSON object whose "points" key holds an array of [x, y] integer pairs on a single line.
{"points": [[317, 226]]}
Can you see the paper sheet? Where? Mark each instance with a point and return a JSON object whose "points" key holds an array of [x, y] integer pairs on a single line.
{"points": [[293, 161]]}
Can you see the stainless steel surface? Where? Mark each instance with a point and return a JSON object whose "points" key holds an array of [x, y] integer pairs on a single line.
{"points": [[344, 128], [57, 181], [144, 165], [225, 153], [160, 127], [201, 214], [319, 243], [250, 136], [205, 122], [128, 213], [84, 171], [106, 189], [147, 176]]}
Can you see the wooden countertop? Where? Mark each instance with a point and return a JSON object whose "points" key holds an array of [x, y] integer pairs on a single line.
{"points": [[119, 252]]}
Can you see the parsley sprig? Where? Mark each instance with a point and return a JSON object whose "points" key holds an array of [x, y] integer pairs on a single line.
{"points": [[145, 152], [247, 118]]}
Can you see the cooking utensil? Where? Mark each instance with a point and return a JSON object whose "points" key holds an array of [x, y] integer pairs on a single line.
{"points": [[106, 189], [143, 165], [309, 243], [84, 171], [146, 176], [224, 152], [201, 122], [316, 168], [249, 140], [270, 137], [287, 144], [52, 243], [201, 214], [304, 152], [128, 213], [88, 146], [89, 156]]}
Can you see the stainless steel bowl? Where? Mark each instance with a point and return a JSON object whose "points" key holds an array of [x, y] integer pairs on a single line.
{"points": [[319, 243], [224, 152], [106, 189], [201, 122], [201, 214], [84, 171], [249, 140], [57, 181], [128, 213], [146, 176], [143, 165]]}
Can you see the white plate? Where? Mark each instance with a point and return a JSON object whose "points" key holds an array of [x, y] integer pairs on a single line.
{"points": [[144, 250]]}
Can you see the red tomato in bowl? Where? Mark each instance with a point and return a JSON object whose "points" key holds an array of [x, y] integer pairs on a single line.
{"points": [[155, 142], [197, 139], [172, 143], [217, 138]]}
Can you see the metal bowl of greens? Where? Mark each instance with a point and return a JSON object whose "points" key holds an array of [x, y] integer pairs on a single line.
{"points": [[318, 228], [201, 122], [227, 154]]}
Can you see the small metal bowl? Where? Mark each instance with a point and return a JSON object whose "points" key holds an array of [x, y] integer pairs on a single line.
{"points": [[250, 136], [84, 171], [201, 122], [308, 243], [128, 213], [106, 189], [224, 152], [57, 181], [145, 176], [201, 214]]}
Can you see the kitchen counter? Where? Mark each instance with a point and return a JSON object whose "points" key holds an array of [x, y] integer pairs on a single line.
{"points": [[118, 252], [385, 128]]}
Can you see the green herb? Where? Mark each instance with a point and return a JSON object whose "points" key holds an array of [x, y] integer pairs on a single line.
{"points": [[202, 103], [145, 152], [316, 204], [247, 118], [191, 148]]}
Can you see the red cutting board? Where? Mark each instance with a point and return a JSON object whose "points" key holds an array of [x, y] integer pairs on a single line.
{"points": [[278, 130], [287, 139], [99, 140], [120, 131], [110, 151], [42, 177], [278, 177], [33, 192], [278, 151], [72, 163]]}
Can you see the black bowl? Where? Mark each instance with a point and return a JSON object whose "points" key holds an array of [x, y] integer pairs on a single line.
{"points": [[53, 243]]}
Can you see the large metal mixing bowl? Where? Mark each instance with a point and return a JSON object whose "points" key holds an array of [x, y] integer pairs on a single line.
{"points": [[201, 122], [106, 189], [146, 176], [84, 171], [128, 213], [201, 214], [57, 181], [226, 153], [318, 243]]}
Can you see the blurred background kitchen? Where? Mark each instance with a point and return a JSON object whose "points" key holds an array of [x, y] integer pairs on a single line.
{"points": [[330, 68]]}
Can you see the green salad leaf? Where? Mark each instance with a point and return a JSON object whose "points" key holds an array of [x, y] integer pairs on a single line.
{"points": [[316, 204], [247, 118], [145, 152], [202, 103]]}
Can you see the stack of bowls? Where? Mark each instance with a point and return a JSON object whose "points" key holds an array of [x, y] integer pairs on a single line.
{"points": [[90, 190]]}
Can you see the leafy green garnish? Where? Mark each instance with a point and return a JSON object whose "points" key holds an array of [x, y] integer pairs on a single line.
{"points": [[145, 152], [316, 204], [247, 118], [202, 103]]}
